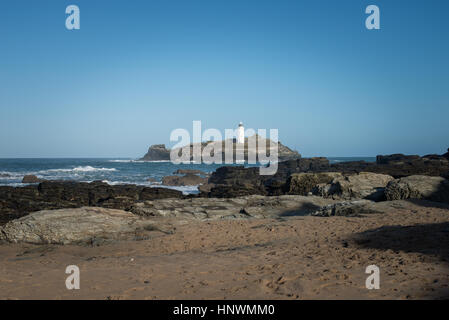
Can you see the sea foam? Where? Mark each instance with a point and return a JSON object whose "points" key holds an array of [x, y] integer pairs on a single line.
{"points": [[78, 169]]}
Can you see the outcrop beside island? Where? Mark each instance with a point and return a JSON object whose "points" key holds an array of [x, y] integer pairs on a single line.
{"points": [[157, 152]]}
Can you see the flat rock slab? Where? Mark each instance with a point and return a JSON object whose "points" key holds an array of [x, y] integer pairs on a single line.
{"points": [[357, 208], [86, 225], [231, 208]]}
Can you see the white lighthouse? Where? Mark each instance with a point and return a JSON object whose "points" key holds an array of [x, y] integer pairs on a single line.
{"points": [[241, 133]]}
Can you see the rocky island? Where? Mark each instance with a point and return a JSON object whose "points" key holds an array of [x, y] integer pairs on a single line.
{"points": [[159, 152]]}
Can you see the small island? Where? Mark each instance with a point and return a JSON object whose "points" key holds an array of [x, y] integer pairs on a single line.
{"points": [[247, 146]]}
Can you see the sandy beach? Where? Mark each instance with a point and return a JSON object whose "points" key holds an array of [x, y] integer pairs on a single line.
{"points": [[284, 258]]}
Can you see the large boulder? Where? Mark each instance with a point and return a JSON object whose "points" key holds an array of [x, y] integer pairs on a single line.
{"points": [[303, 183], [204, 189], [419, 187], [365, 185], [31, 179], [236, 190], [187, 180], [235, 174], [85, 225]]}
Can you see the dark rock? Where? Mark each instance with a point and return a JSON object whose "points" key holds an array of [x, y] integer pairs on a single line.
{"points": [[187, 180], [303, 183], [206, 188], [397, 166], [249, 179], [398, 157], [159, 193], [234, 175], [399, 169], [236, 190], [4, 175], [446, 155], [31, 179], [190, 171], [434, 157], [17, 202], [157, 152]]}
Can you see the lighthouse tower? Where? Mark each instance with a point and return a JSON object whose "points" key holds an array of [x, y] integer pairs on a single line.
{"points": [[241, 133]]}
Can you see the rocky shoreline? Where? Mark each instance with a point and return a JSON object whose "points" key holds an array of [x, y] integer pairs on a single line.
{"points": [[300, 187], [248, 180], [308, 232]]}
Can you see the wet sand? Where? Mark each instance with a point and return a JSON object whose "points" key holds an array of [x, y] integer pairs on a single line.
{"points": [[289, 258]]}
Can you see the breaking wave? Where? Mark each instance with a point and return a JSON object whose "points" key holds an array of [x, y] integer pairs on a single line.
{"points": [[184, 189], [78, 169], [125, 161]]}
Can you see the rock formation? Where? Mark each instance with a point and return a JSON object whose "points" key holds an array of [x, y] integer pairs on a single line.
{"points": [[157, 152], [228, 179], [398, 166], [446, 155], [75, 226], [419, 187], [236, 208], [190, 171], [20, 201], [93, 225], [186, 180], [32, 179], [305, 183], [364, 185]]}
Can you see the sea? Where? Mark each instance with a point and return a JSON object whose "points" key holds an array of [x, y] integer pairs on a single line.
{"points": [[111, 171]]}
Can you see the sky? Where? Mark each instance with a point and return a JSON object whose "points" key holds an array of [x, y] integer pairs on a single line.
{"points": [[136, 70]]}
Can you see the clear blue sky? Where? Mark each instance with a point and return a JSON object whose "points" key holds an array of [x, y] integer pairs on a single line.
{"points": [[136, 70]]}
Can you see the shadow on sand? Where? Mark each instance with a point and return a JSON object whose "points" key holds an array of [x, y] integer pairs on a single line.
{"points": [[428, 239], [431, 240]]}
